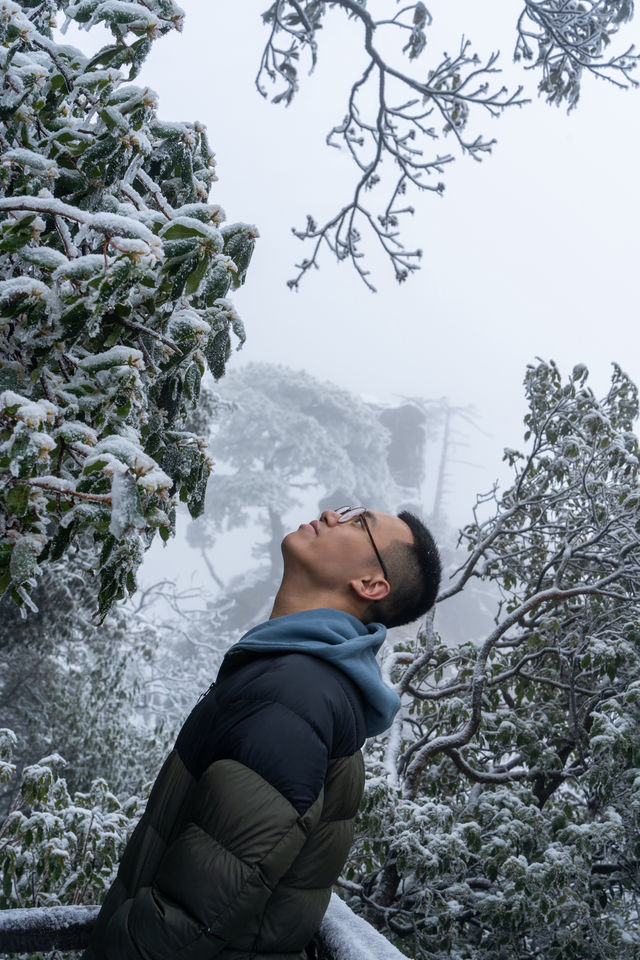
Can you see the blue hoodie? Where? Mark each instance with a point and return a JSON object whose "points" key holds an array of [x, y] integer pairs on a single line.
{"points": [[342, 640]]}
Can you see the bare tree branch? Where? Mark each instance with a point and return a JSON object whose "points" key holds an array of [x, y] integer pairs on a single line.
{"points": [[394, 115]]}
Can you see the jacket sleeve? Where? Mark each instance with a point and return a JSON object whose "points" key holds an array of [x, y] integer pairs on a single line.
{"points": [[251, 813]]}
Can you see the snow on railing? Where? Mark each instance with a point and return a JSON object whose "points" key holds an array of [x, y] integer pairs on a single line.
{"points": [[46, 928], [342, 936], [346, 936]]}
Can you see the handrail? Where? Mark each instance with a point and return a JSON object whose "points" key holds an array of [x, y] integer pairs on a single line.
{"points": [[46, 928], [343, 934]]}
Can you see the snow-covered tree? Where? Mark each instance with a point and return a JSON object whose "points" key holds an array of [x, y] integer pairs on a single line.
{"points": [[58, 848], [69, 686], [502, 811], [286, 442], [192, 641], [114, 275]]}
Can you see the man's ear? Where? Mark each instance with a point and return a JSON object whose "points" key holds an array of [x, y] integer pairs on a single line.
{"points": [[370, 588]]}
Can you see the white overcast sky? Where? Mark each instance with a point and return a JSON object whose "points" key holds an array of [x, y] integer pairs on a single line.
{"points": [[533, 252]]}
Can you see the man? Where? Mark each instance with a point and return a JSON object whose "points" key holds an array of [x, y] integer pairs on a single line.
{"points": [[250, 820]]}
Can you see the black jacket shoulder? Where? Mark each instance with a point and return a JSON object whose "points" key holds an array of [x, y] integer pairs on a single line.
{"points": [[283, 715]]}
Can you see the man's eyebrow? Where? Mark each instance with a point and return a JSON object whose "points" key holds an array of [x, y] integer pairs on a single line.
{"points": [[371, 517]]}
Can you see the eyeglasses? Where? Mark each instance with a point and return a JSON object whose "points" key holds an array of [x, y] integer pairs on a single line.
{"points": [[346, 514]]}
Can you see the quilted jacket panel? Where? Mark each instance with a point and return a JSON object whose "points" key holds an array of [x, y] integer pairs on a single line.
{"points": [[249, 822]]}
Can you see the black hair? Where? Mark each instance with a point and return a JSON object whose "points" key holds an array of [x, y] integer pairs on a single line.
{"points": [[414, 576]]}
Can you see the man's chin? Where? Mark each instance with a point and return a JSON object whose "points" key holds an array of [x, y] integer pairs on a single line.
{"points": [[295, 539], [286, 544]]}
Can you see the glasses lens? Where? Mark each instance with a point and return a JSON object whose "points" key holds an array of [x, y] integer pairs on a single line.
{"points": [[348, 513]]}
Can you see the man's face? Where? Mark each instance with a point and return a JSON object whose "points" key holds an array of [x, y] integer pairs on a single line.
{"points": [[332, 554]]}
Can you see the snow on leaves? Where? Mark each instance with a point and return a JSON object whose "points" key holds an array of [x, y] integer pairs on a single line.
{"points": [[501, 814], [59, 849], [114, 275]]}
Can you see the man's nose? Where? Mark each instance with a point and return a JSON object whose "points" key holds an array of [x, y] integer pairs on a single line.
{"points": [[330, 517]]}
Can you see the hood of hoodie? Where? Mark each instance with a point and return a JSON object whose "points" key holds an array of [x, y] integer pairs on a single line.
{"points": [[341, 639]]}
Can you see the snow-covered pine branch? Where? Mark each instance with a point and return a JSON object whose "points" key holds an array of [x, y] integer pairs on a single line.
{"points": [[114, 275]]}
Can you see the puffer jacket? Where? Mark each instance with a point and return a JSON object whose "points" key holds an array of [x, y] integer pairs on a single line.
{"points": [[249, 821]]}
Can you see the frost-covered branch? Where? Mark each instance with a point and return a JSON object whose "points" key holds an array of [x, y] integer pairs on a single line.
{"points": [[396, 113], [65, 489], [389, 122], [483, 776], [565, 40]]}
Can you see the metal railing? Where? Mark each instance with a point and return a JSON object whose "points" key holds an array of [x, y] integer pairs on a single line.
{"points": [[343, 934]]}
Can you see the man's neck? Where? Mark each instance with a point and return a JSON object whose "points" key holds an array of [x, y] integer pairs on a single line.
{"points": [[289, 600]]}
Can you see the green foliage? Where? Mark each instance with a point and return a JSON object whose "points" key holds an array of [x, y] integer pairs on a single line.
{"points": [[57, 849], [114, 271], [502, 813]]}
